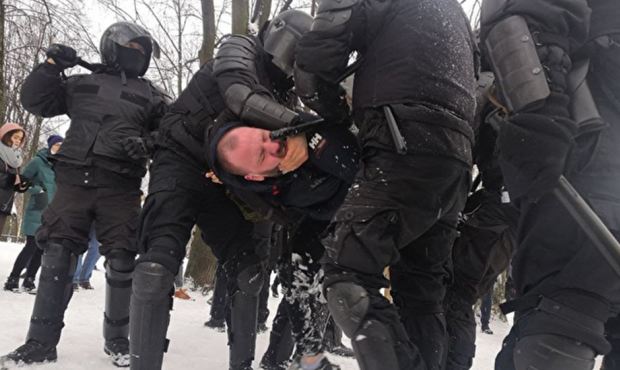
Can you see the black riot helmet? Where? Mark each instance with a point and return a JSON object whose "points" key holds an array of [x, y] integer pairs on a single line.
{"points": [[115, 54], [282, 35]]}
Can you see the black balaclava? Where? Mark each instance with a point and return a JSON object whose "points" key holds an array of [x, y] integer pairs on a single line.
{"points": [[131, 61]]}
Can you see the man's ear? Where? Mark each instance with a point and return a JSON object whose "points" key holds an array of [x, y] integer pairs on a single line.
{"points": [[251, 177]]}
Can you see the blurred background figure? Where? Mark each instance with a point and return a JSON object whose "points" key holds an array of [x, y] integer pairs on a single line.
{"points": [[40, 175], [86, 265]]}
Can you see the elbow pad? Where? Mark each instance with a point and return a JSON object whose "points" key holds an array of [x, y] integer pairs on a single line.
{"points": [[257, 109], [237, 55]]}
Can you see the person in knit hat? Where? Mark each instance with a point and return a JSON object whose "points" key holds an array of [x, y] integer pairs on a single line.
{"points": [[53, 143], [40, 174], [12, 137]]}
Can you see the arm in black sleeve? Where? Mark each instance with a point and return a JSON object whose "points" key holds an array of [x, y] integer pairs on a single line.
{"points": [[324, 50], [327, 99], [322, 55], [43, 91], [235, 69], [161, 105]]}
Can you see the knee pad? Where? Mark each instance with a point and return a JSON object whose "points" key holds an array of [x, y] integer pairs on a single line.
{"points": [[120, 261], [151, 302], [152, 281], [161, 256], [348, 303], [552, 352]]}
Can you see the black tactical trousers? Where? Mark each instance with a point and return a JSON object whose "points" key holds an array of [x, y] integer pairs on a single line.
{"points": [[180, 196], [220, 303], [556, 265], [482, 252], [401, 211], [114, 210], [64, 235], [298, 270], [611, 361], [29, 258]]}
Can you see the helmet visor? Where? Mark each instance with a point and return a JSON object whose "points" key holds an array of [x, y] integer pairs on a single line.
{"points": [[124, 32]]}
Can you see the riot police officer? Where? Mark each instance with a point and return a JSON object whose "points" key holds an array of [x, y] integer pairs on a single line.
{"points": [[562, 95], [113, 112], [487, 233], [250, 77], [413, 101]]}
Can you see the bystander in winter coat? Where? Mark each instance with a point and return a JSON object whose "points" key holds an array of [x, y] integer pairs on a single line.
{"points": [[40, 173], [11, 140]]}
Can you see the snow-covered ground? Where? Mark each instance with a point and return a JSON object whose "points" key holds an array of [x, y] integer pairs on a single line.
{"points": [[192, 346]]}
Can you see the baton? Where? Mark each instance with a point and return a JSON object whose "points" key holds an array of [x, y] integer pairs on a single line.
{"points": [[590, 223], [352, 68], [285, 132], [81, 62], [397, 137]]}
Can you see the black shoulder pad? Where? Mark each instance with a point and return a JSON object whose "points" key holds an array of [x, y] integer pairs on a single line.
{"points": [[329, 5], [235, 53]]}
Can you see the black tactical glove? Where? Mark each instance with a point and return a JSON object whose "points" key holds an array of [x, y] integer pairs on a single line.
{"points": [[534, 153], [333, 104], [138, 147], [63, 56], [327, 99]]}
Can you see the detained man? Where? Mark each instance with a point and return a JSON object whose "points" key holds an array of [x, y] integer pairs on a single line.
{"points": [[247, 159]]}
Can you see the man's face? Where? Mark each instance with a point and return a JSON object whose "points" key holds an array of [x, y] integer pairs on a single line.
{"points": [[254, 154]]}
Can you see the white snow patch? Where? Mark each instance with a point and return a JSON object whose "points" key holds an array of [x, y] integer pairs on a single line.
{"points": [[192, 346]]}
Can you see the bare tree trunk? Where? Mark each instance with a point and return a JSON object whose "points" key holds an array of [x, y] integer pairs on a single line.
{"points": [[240, 17], [202, 263], [180, 47], [208, 31], [266, 12], [313, 8], [2, 94]]}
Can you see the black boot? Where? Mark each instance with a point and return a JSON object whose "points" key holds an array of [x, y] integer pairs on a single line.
{"points": [[151, 302], [12, 284], [281, 343], [46, 323], [215, 324], [29, 353], [119, 268], [118, 350], [28, 284], [332, 341]]}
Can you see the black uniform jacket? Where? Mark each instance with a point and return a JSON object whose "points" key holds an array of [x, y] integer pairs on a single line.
{"points": [[103, 112]]}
